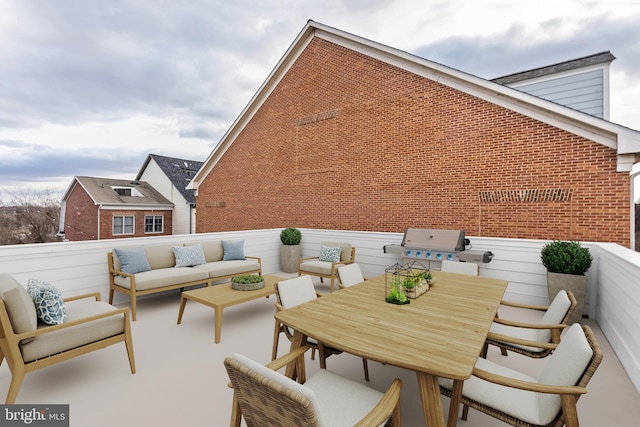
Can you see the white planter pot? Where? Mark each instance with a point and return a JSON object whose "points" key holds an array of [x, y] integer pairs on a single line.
{"points": [[569, 282]]}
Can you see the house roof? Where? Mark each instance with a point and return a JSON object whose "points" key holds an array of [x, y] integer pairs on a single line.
{"points": [[624, 140], [101, 191], [179, 171], [573, 64]]}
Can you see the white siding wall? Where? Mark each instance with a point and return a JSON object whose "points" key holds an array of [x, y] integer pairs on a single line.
{"points": [[181, 212], [584, 91], [613, 295]]}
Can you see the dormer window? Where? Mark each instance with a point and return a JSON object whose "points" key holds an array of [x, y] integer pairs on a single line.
{"points": [[127, 191]]}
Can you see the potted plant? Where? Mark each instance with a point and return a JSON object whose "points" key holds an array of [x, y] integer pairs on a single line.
{"points": [[247, 282], [566, 263], [291, 249]]}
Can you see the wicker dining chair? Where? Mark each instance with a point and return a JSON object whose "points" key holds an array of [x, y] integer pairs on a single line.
{"points": [[267, 398], [521, 337], [521, 400], [290, 293]]}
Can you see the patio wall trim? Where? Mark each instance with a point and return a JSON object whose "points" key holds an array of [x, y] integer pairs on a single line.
{"points": [[613, 295]]}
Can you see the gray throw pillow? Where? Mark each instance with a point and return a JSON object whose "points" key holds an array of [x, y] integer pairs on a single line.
{"points": [[188, 256], [233, 249], [133, 261]]}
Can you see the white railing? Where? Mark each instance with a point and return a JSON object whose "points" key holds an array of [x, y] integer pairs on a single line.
{"points": [[613, 295]]}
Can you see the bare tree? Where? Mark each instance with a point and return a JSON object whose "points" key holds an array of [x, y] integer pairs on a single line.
{"points": [[33, 216]]}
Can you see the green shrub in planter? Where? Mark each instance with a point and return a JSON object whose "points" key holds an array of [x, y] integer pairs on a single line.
{"points": [[247, 279], [566, 257], [290, 236]]}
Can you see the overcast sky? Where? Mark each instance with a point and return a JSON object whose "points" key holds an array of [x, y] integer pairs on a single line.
{"points": [[91, 87]]}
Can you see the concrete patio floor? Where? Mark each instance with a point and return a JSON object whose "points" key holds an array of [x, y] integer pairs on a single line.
{"points": [[181, 379]]}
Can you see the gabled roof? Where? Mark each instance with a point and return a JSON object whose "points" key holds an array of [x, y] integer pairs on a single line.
{"points": [[624, 140], [573, 64], [101, 191], [179, 171]]}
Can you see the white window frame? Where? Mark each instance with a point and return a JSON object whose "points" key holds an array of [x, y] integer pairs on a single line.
{"points": [[153, 225], [123, 226]]}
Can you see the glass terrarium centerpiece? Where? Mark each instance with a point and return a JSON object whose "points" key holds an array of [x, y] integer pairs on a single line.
{"points": [[406, 281]]}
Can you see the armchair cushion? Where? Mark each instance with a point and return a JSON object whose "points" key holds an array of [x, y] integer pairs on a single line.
{"points": [[64, 339], [133, 261], [48, 301], [20, 306], [330, 254], [188, 256], [233, 250]]}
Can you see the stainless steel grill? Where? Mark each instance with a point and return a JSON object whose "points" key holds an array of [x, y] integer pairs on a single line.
{"points": [[420, 244]]}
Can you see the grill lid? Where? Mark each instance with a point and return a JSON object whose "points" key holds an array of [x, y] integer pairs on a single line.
{"points": [[428, 239]]}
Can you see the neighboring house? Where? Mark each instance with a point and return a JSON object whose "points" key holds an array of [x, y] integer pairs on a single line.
{"points": [[170, 176], [346, 133], [581, 83], [104, 208]]}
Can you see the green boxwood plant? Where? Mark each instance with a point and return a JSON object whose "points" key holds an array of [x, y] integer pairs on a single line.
{"points": [[566, 257]]}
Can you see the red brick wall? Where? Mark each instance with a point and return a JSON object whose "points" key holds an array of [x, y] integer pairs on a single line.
{"points": [[348, 142], [81, 219], [81, 216], [106, 223]]}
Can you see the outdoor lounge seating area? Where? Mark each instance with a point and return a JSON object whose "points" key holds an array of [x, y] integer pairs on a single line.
{"points": [[180, 370]]}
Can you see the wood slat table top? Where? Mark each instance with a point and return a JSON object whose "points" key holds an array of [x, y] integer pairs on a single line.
{"points": [[223, 295], [440, 333]]}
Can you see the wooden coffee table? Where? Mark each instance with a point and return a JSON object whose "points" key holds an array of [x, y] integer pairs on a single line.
{"points": [[222, 296]]}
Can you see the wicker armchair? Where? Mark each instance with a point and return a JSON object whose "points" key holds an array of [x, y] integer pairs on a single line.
{"points": [[524, 338], [521, 400], [29, 345], [320, 267], [267, 398], [290, 293]]}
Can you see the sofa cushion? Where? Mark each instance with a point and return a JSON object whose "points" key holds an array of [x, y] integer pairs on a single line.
{"points": [[50, 306], [160, 256], [19, 305], [213, 250], [75, 336], [163, 277], [233, 250], [228, 268], [330, 253], [188, 256], [132, 260]]}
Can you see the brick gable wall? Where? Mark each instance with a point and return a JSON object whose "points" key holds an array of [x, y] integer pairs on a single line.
{"points": [[348, 142]]}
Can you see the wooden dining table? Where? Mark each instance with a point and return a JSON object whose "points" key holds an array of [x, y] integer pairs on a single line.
{"points": [[439, 334]]}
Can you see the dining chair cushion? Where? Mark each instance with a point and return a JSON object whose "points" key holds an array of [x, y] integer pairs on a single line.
{"points": [[555, 314], [350, 274], [64, 339], [565, 366], [296, 291], [20, 306], [336, 401], [341, 401]]}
